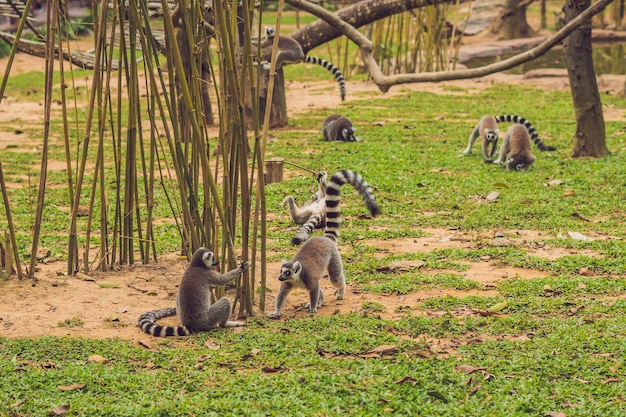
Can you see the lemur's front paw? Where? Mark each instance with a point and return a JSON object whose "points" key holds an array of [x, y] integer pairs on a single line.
{"points": [[244, 266]]}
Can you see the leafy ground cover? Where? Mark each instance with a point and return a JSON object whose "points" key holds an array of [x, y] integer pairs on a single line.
{"points": [[477, 292]]}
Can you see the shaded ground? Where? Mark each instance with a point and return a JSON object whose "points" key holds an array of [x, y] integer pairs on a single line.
{"points": [[108, 305]]}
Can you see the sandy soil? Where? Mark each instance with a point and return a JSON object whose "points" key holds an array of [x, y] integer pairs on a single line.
{"points": [[108, 305]]}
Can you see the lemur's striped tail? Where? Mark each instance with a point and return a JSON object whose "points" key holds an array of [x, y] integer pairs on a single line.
{"points": [[333, 69], [316, 220], [531, 130], [148, 325], [333, 197]]}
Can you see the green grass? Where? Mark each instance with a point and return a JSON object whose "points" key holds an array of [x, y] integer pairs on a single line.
{"points": [[553, 351]]}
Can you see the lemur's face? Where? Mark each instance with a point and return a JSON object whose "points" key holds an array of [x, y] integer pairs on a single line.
{"points": [[491, 135]]}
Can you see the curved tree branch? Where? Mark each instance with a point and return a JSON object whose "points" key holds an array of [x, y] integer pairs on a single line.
{"points": [[357, 15], [384, 82]]}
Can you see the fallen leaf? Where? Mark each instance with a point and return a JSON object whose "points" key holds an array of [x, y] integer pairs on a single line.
{"points": [[438, 396], [492, 196], [60, 410], [468, 369], [555, 414], [273, 370], [97, 359], [84, 277], [498, 307], [569, 193], [586, 272], [211, 345], [17, 403], [204, 357], [145, 343], [574, 310], [500, 185], [407, 380], [555, 182], [384, 350], [579, 236], [581, 217], [610, 381], [72, 387], [582, 381]]}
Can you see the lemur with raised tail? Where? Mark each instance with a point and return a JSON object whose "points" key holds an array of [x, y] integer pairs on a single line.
{"points": [[319, 254], [290, 52], [487, 130], [194, 299], [515, 151], [511, 118], [312, 214]]}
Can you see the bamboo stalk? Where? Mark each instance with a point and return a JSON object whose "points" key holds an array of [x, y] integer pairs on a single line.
{"points": [[7, 210], [72, 263], [18, 34], [52, 24]]}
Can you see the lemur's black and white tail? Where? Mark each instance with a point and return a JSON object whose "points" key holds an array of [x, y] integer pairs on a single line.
{"points": [[148, 325], [333, 69], [315, 220], [333, 197], [531, 130]]}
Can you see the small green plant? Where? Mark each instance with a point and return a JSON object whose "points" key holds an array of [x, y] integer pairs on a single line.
{"points": [[73, 322], [372, 306]]}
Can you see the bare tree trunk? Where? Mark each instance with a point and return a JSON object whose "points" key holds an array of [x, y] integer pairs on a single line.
{"points": [[512, 24], [590, 136], [278, 111]]}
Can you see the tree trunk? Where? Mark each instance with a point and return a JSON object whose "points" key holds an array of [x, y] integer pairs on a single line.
{"points": [[512, 23], [589, 139], [278, 110]]}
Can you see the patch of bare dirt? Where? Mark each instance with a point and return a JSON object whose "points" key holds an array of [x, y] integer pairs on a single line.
{"points": [[108, 304]]}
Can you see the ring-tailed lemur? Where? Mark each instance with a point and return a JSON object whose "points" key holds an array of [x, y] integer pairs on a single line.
{"points": [[510, 118], [312, 215], [338, 127], [320, 254], [290, 52], [193, 301], [487, 129], [515, 151]]}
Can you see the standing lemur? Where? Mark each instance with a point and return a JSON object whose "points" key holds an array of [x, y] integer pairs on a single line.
{"points": [[319, 254], [312, 214], [193, 302], [290, 52], [487, 130]]}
